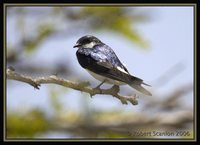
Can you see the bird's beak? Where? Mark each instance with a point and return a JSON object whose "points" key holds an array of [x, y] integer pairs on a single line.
{"points": [[76, 45]]}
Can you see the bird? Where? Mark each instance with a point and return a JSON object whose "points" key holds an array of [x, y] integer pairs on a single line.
{"points": [[103, 64]]}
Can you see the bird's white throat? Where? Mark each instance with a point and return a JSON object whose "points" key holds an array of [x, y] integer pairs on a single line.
{"points": [[89, 45]]}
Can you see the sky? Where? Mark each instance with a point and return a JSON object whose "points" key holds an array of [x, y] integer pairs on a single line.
{"points": [[170, 34]]}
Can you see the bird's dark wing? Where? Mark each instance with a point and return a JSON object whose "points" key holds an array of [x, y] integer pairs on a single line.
{"points": [[103, 63], [114, 72], [111, 56]]}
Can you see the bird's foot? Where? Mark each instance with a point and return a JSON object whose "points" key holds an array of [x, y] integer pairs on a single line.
{"points": [[115, 88]]}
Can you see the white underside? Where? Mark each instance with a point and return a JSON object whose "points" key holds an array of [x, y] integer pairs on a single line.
{"points": [[107, 80]]}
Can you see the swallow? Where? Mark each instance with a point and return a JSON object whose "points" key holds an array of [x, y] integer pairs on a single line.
{"points": [[103, 64]]}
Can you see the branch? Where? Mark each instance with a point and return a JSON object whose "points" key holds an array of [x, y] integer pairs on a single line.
{"points": [[82, 86]]}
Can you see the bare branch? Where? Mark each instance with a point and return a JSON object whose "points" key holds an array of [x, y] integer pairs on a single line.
{"points": [[82, 86]]}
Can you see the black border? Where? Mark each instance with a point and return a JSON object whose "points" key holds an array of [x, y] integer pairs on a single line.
{"points": [[119, 2]]}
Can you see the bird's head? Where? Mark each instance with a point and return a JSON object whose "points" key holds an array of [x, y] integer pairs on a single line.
{"points": [[87, 41]]}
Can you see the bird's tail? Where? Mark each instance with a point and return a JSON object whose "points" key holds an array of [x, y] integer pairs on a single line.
{"points": [[136, 84]]}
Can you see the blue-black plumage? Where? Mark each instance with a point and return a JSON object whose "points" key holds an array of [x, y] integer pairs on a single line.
{"points": [[103, 64]]}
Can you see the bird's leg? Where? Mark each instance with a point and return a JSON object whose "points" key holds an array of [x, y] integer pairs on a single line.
{"points": [[115, 88], [98, 87]]}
